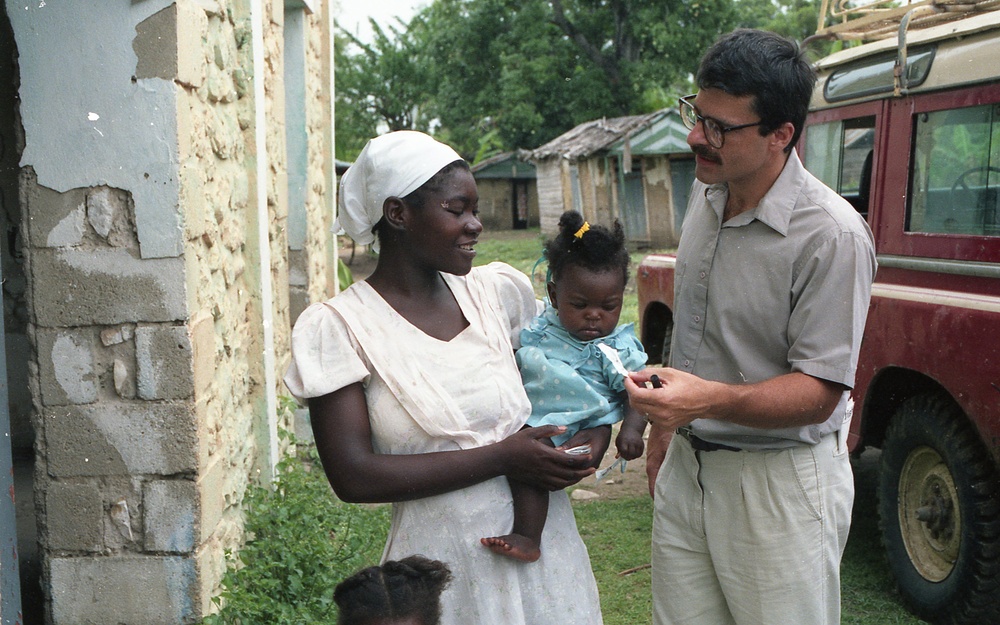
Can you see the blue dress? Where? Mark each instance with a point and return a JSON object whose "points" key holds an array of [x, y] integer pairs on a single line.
{"points": [[572, 382]]}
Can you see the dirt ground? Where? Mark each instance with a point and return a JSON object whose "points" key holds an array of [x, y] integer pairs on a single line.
{"points": [[619, 485], [615, 486]]}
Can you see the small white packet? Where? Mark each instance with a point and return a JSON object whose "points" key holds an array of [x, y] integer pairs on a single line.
{"points": [[613, 356], [845, 427], [601, 474]]}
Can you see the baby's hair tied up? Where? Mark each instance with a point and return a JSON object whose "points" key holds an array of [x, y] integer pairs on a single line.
{"points": [[592, 246]]}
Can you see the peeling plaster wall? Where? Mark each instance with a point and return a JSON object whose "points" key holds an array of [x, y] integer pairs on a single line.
{"points": [[80, 129], [12, 257], [596, 188]]}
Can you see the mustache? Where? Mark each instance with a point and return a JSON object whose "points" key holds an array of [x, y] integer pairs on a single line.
{"points": [[706, 152]]}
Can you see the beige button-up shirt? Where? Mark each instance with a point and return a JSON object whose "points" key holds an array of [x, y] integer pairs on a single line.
{"points": [[783, 287]]}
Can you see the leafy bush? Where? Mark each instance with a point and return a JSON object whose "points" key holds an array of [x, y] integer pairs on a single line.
{"points": [[344, 276], [301, 542]]}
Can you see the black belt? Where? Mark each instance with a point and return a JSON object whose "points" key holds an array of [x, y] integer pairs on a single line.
{"points": [[700, 444]]}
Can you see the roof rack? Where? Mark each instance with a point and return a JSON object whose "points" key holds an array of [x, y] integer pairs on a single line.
{"points": [[854, 20]]}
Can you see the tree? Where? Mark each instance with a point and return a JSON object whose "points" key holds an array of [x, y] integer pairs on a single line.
{"points": [[797, 19], [384, 84], [532, 69], [496, 75], [641, 46], [354, 123]]}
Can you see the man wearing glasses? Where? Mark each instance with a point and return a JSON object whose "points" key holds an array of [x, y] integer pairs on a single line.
{"points": [[774, 270]]}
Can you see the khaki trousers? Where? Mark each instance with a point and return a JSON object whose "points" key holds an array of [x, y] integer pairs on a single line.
{"points": [[750, 538]]}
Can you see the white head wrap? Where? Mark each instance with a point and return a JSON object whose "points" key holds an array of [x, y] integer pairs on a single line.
{"points": [[392, 165]]}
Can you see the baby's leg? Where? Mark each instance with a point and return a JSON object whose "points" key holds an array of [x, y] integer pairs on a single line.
{"points": [[531, 506]]}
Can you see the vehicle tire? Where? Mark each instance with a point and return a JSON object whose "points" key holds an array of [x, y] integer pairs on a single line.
{"points": [[668, 334], [939, 510]]}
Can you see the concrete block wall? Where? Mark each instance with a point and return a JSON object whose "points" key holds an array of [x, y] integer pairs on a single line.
{"points": [[115, 426]]}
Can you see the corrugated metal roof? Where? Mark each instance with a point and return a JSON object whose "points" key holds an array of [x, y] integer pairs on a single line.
{"points": [[665, 135], [505, 165], [593, 136]]}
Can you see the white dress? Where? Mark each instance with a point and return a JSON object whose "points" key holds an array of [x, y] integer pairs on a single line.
{"points": [[427, 395]]}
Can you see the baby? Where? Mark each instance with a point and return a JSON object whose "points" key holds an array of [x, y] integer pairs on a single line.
{"points": [[572, 360]]}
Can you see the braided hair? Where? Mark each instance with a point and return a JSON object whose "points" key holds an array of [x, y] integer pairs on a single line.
{"points": [[401, 589], [595, 248]]}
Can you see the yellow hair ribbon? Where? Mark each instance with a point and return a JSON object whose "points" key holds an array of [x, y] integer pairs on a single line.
{"points": [[584, 228]]}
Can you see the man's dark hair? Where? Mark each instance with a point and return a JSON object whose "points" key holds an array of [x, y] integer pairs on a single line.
{"points": [[767, 66]]}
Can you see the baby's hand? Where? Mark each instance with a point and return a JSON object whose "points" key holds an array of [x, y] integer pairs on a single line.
{"points": [[629, 445]]}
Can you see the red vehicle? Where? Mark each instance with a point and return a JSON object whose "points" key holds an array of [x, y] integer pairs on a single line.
{"points": [[918, 153]]}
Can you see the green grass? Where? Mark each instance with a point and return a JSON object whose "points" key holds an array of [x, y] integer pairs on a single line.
{"points": [[866, 583], [617, 537], [519, 248]]}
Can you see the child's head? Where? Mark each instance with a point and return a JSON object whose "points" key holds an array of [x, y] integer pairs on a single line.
{"points": [[404, 592], [588, 266]]}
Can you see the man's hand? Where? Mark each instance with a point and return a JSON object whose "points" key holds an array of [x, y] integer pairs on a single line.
{"points": [[681, 399]]}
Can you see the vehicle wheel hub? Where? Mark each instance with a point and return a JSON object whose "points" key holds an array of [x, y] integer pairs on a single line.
{"points": [[929, 522]]}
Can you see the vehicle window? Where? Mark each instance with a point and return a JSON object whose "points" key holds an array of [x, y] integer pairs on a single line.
{"points": [[876, 75], [955, 172], [840, 154]]}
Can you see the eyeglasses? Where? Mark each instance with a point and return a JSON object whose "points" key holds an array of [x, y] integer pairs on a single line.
{"points": [[715, 132]]}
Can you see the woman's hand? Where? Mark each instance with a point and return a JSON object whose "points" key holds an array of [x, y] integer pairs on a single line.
{"points": [[359, 475], [598, 438], [534, 462]]}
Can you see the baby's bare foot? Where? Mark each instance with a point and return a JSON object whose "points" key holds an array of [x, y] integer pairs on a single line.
{"points": [[513, 546]]}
